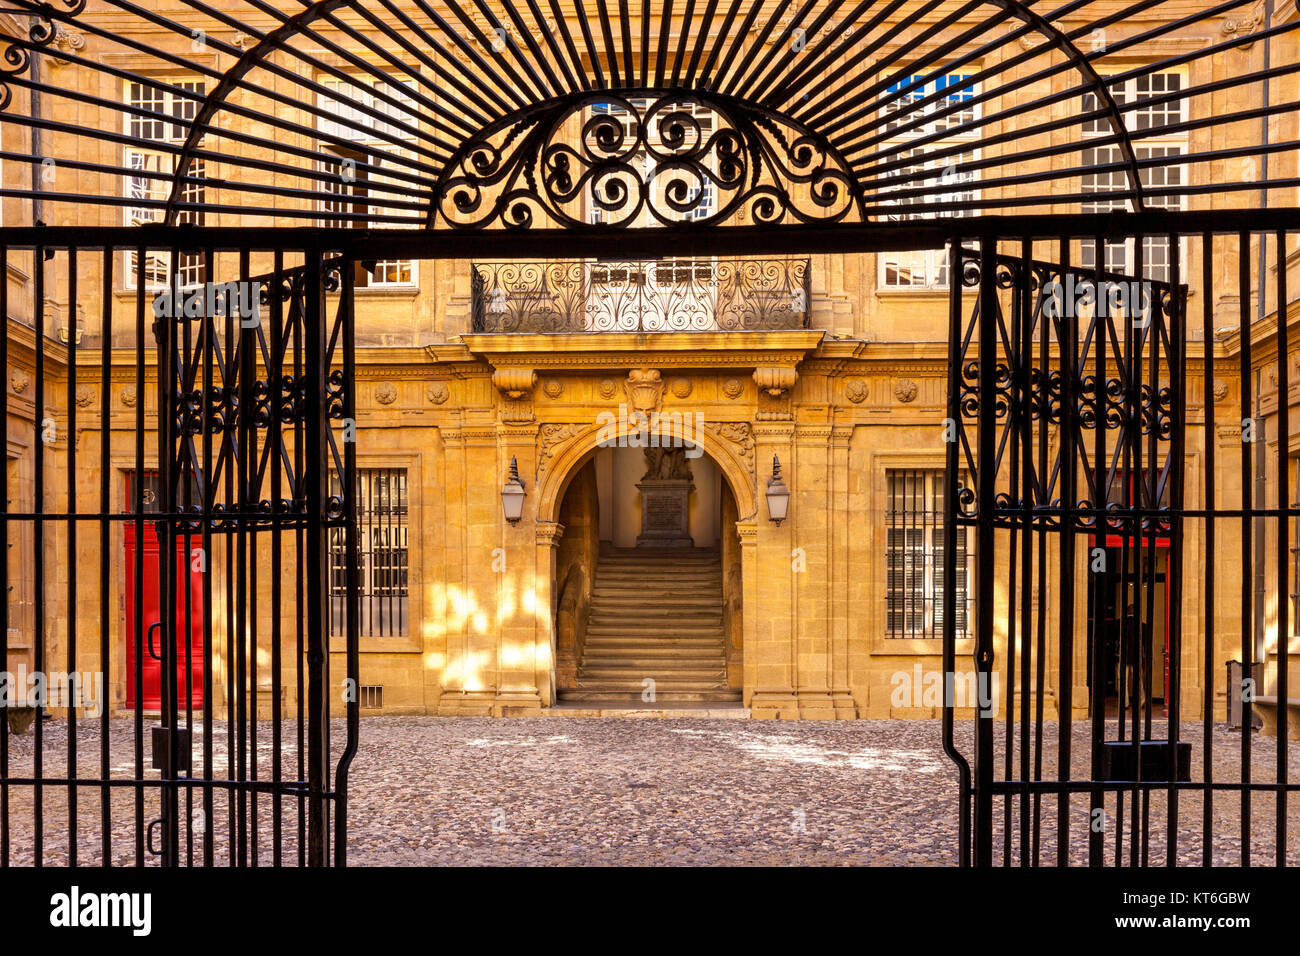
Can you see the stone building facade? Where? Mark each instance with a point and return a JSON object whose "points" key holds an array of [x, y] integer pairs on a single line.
{"points": [[827, 614]]}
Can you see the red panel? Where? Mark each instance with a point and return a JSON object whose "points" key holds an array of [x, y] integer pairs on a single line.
{"points": [[152, 667]]}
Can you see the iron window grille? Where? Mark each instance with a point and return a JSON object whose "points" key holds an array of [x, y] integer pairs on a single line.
{"points": [[383, 513], [914, 573]]}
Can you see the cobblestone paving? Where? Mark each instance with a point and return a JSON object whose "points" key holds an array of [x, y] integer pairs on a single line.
{"points": [[562, 790]]}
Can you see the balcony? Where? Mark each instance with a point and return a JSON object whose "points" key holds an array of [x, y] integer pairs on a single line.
{"points": [[660, 295]]}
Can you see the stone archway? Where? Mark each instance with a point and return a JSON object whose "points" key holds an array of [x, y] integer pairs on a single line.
{"points": [[573, 549]]}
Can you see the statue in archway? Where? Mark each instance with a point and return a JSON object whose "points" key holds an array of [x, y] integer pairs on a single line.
{"points": [[666, 464]]}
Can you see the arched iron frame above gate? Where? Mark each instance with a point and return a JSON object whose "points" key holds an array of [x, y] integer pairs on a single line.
{"points": [[496, 129]]}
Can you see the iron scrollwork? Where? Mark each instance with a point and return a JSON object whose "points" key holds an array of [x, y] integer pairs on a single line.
{"points": [[650, 157], [660, 295]]}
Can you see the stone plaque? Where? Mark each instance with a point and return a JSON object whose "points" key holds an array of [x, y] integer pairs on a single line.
{"points": [[665, 513]]}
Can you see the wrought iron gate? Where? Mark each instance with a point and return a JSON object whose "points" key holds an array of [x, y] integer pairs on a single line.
{"points": [[256, 473], [1068, 402]]}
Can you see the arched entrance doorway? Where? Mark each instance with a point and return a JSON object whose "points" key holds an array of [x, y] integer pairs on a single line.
{"points": [[648, 572], [648, 581]]}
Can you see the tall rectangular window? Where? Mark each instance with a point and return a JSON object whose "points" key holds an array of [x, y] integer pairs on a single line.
{"points": [[914, 571], [928, 268], [1153, 141], [355, 174], [161, 113], [383, 527]]}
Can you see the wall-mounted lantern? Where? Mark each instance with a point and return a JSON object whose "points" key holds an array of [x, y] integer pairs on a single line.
{"points": [[778, 495], [512, 494]]}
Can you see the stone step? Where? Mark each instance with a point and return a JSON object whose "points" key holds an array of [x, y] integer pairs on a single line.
{"points": [[637, 676], [661, 636], [657, 617], [625, 596], [635, 686], [661, 655], [622, 641], [661, 696]]}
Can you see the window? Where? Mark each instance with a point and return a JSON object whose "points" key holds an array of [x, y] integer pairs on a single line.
{"points": [[928, 268], [350, 181], [914, 586], [169, 106], [382, 525], [1146, 122]]}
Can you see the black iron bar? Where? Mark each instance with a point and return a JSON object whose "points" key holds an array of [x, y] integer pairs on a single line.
{"points": [[1211, 442], [1103, 585], [1174, 558], [956, 270], [1284, 500], [105, 562], [72, 611], [38, 545], [5, 528], [1067, 343], [1247, 536]]}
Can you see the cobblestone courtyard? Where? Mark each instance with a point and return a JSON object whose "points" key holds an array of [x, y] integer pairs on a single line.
{"points": [[566, 790]]}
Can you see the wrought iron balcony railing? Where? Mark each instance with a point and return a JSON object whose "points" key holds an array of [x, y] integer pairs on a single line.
{"points": [[660, 295]]}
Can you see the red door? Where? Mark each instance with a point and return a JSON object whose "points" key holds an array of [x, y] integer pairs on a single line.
{"points": [[189, 677]]}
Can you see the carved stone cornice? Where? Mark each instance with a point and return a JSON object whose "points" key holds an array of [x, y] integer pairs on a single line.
{"points": [[812, 432], [660, 350]]}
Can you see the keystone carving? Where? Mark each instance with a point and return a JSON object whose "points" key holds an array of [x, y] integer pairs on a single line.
{"points": [[645, 389]]}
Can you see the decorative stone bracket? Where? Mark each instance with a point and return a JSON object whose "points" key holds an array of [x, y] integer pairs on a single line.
{"points": [[516, 385], [774, 387]]}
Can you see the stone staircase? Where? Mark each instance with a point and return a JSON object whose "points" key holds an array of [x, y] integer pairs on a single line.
{"points": [[655, 614]]}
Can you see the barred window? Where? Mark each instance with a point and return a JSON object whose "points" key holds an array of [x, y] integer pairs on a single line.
{"points": [[914, 585], [161, 113], [382, 526]]}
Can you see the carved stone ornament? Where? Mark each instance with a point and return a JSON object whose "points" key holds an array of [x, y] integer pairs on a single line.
{"points": [[775, 382], [515, 383], [438, 393], [645, 389], [741, 437], [905, 390], [856, 391], [386, 393], [732, 388], [128, 396]]}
